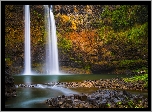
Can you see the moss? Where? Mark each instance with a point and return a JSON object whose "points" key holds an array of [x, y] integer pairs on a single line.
{"points": [[136, 78], [87, 67], [64, 43], [132, 64]]}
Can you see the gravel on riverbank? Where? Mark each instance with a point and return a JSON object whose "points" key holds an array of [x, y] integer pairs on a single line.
{"points": [[99, 99]]}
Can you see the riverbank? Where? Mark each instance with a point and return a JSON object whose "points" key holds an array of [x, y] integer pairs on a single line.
{"points": [[99, 99], [112, 95], [114, 83]]}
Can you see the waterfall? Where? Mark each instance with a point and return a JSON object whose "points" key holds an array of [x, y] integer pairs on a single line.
{"points": [[52, 64], [27, 47]]}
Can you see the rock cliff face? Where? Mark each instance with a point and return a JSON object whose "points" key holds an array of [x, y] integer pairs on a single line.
{"points": [[10, 89], [76, 23], [76, 42], [80, 16]]}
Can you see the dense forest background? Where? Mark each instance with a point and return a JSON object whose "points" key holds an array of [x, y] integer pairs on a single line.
{"points": [[97, 38]]}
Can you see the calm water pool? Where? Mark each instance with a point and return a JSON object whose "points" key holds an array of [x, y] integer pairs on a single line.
{"points": [[40, 79]]}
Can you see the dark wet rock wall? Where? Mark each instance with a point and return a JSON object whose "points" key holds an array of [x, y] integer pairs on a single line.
{"points": [[10, 89]]}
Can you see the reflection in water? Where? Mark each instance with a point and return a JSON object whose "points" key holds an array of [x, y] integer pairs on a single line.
{"points": [[41, 79], [27, 80], [55, 78]]}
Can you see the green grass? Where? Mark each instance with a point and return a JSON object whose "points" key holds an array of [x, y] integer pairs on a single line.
{"points": [[136, 78]]}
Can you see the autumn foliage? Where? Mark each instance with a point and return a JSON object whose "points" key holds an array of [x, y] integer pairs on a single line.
{"points": [[110, 37]]}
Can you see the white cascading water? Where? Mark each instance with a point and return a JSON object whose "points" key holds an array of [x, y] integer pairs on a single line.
{"points": [[27, 52], [52, 64]]}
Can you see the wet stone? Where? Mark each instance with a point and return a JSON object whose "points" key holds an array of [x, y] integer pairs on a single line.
{"points": [[69, 101], [63, 96], [83, 98]]}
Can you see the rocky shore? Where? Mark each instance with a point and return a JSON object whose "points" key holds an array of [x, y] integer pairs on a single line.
{"points": [[99, 99], [115, 83]]}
